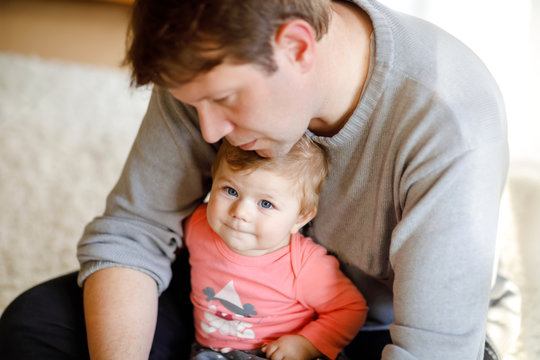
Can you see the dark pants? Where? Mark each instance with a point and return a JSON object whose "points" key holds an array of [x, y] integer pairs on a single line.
{"points": [[47, 322]]}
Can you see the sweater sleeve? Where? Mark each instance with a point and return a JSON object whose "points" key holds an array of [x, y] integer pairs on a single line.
{"points": [[442, 254], [165, 177], [341, 309]]}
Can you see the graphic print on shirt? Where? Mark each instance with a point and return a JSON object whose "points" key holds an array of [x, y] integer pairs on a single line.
{"points": [[227, 323]]}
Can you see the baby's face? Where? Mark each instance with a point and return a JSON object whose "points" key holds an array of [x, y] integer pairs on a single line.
{"points": [[254, 212]]}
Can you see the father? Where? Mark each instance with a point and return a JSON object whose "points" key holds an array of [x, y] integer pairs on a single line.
{"points": [[415, 130]]}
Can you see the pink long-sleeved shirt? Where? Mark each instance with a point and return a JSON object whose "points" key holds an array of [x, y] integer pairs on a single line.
{"points": [[242, 302]]}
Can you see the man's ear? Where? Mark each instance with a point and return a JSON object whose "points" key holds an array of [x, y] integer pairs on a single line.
{"points": [[303, 219], [296, 41]]}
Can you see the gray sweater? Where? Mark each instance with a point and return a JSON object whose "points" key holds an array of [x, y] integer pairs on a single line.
{"points": [[410, 206]]}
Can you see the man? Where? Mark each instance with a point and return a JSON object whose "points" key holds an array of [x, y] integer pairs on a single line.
{"points": [[415, 131]]}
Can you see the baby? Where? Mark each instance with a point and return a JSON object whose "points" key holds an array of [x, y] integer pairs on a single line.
{"points": [[260, 289]]}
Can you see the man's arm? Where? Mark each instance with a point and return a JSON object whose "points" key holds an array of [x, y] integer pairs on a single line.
{"points": [[120, 307], [125, 255], [442, 254], [165, 177]]}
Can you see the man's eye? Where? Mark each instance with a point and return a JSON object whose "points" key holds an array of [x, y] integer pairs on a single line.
{"points": [[221, 99], [231, 191], [266, 204], [224, 100]]}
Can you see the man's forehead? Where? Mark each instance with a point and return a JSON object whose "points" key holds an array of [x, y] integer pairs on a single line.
{"points": [[201, 86], [222, 78]]}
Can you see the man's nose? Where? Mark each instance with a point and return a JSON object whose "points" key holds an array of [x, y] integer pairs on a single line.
{"points": [[214, 123]]}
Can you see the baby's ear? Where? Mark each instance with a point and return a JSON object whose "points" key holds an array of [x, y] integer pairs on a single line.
{"points": [[303, 218]]}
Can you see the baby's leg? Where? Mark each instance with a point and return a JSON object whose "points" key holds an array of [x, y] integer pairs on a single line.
{"points": [[209, 355], [245, 355], [199, 352]]}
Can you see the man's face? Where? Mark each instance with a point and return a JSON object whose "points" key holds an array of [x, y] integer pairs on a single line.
{"points": [[254, 110]]}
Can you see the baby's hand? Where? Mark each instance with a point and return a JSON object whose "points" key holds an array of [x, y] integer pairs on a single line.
{"points": [[291, 347]]}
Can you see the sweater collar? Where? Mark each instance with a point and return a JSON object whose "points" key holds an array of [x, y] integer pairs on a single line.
{"points": [[381, 61]]}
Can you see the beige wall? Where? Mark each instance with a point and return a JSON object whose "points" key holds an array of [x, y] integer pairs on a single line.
{"points": [[74, 30]]}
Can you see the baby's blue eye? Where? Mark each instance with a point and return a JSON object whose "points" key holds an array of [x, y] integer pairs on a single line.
{"points": [[266, 204], [231, 191]]}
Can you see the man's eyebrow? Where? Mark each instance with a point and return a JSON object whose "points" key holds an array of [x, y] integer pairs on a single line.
{"points": [[215, 95]]}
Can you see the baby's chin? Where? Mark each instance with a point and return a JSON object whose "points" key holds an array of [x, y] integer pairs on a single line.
{"points": [[245, 250], [249, 252]]}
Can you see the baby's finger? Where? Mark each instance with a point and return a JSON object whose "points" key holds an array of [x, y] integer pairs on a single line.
{"points": [[271, 350], [276, 355]]}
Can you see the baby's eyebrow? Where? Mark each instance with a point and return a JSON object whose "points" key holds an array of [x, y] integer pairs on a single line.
{"points": [[268, 197]]}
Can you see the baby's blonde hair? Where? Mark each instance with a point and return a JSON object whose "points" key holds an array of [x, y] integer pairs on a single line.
{"points": [[305, 164]]}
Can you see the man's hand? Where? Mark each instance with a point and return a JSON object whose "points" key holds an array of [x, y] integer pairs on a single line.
{"points": [[291, 347]]}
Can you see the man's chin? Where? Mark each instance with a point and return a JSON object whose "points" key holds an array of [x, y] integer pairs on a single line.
{"points": [[274, 152], [264, 153]]}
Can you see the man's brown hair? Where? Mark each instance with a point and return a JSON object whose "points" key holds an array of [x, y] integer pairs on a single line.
{"points": [[172, 41]]}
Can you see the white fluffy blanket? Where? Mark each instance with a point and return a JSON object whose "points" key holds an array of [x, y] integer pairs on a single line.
{"points": [[65, 130]]}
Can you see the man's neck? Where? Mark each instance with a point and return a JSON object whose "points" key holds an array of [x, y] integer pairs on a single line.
{"points": [[343, 67]]}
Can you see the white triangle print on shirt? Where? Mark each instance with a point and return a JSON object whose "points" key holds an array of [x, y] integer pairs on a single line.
{"points": [[229, 293]]}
